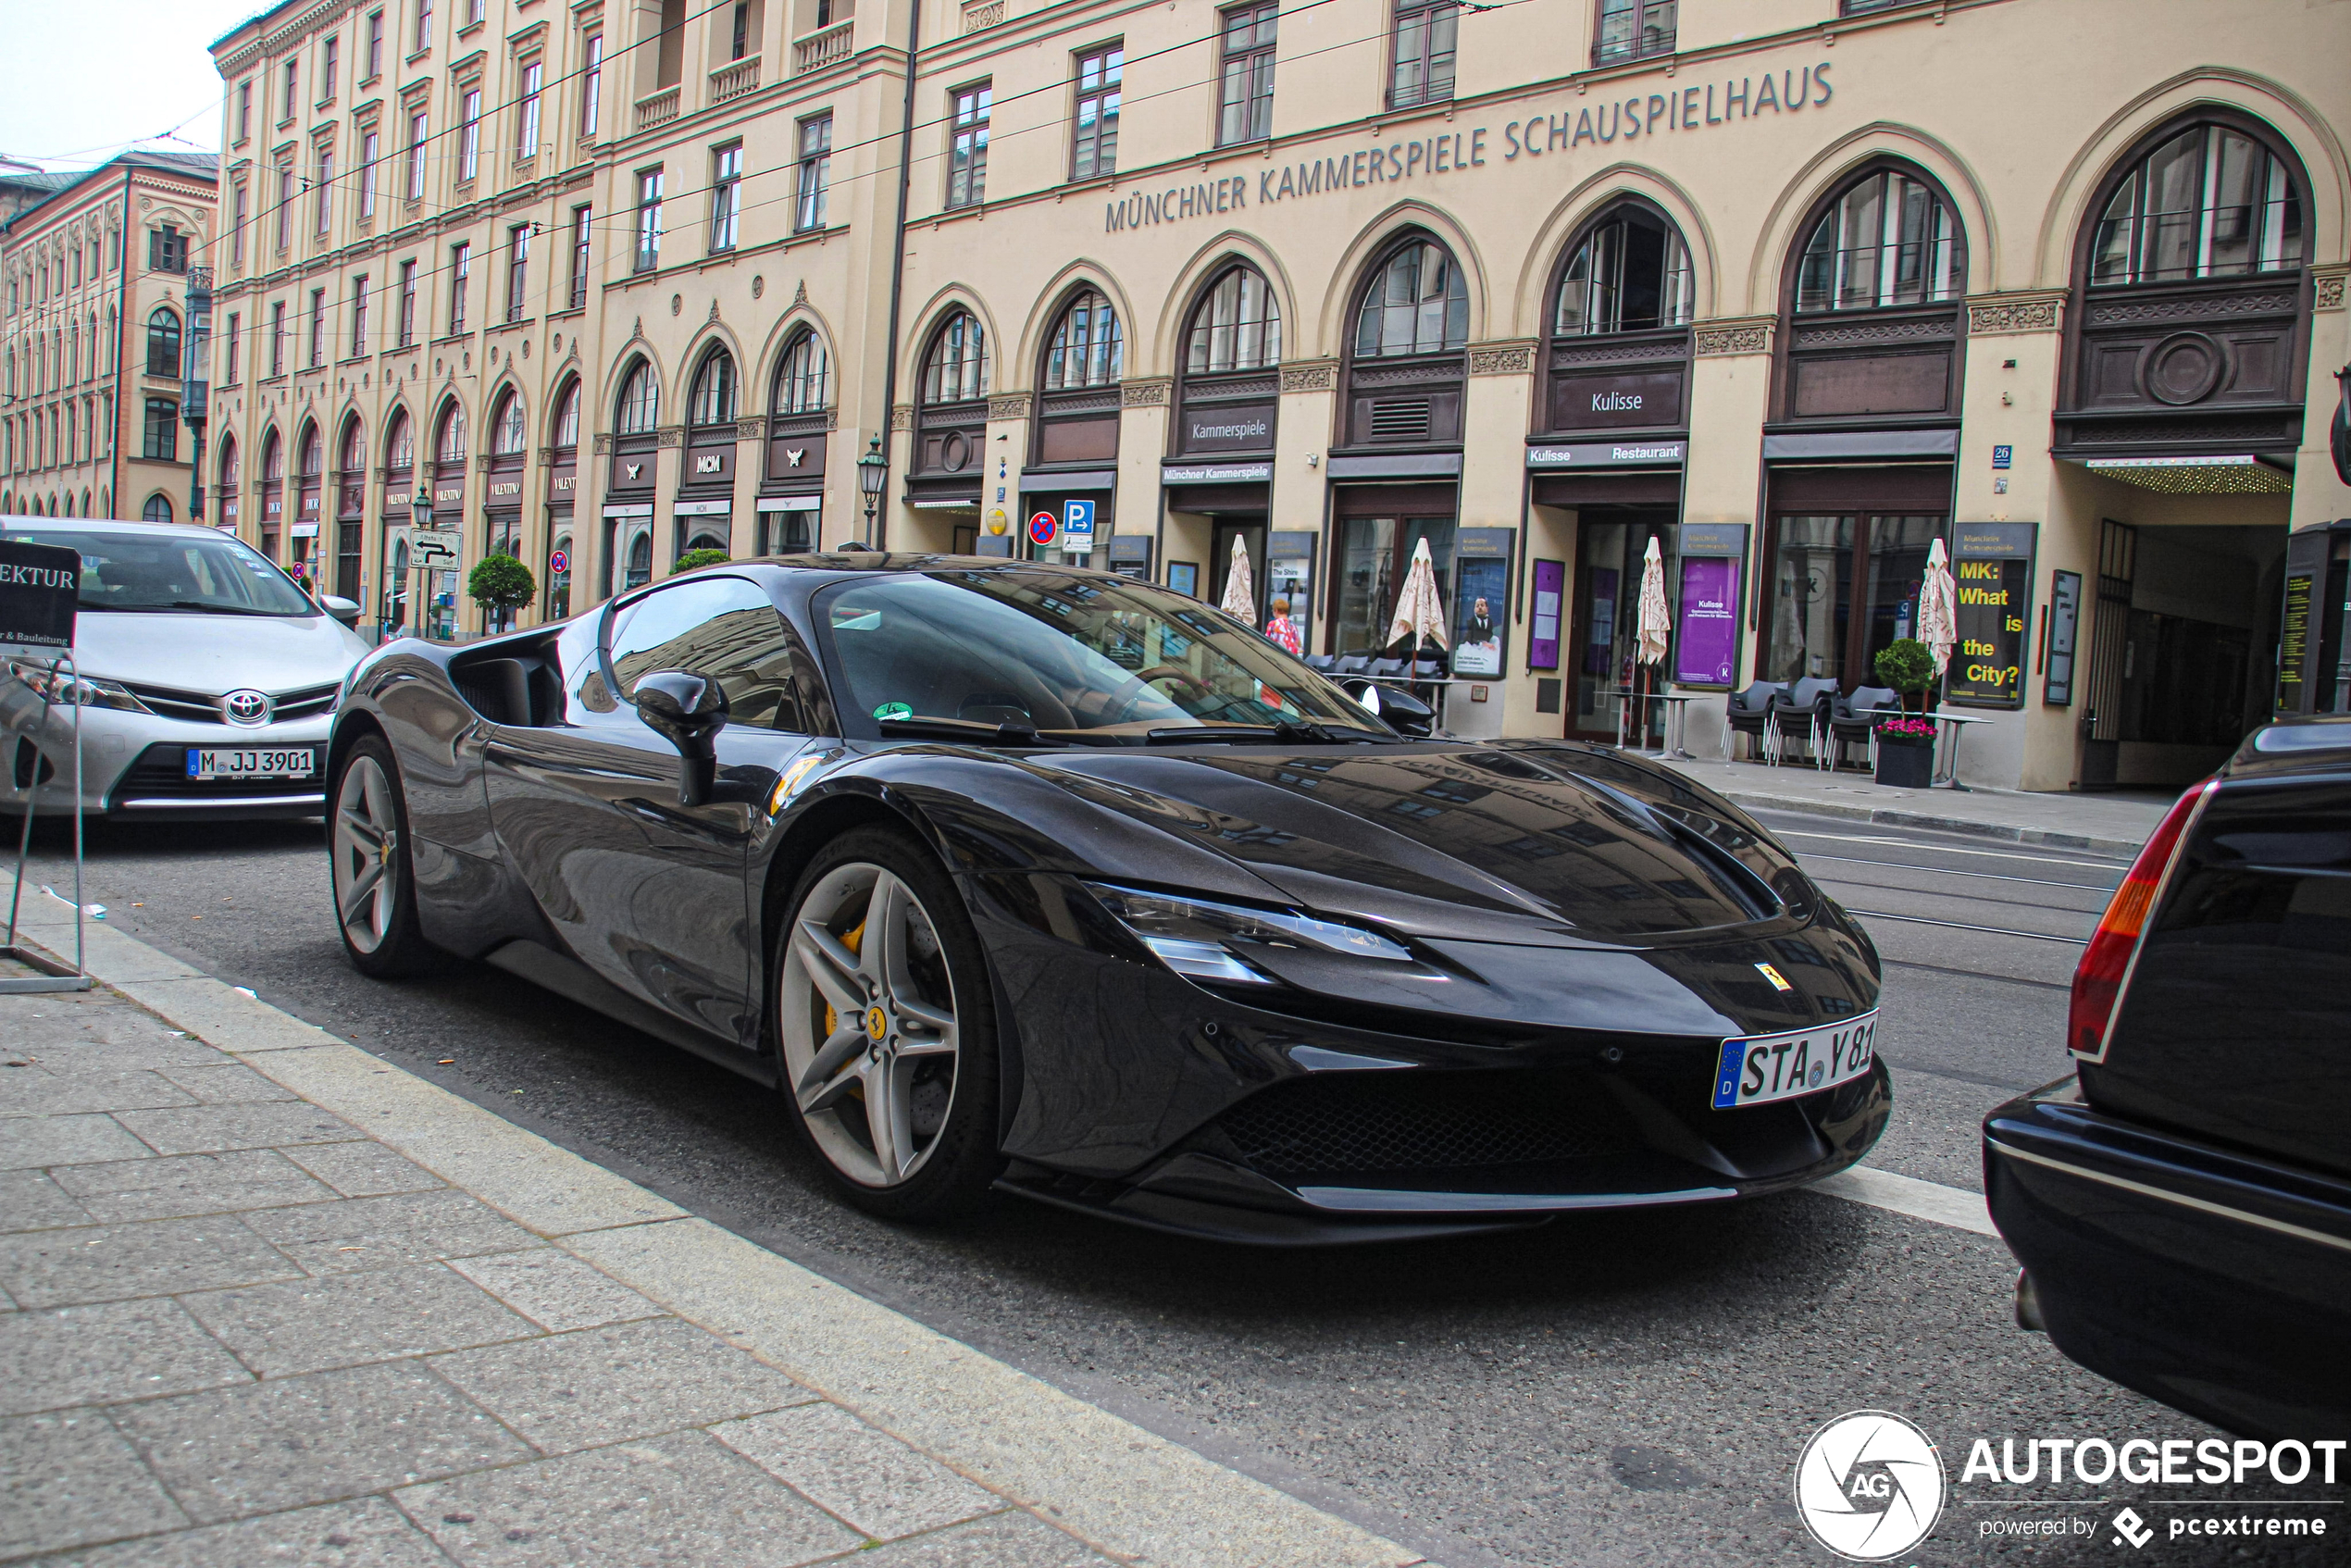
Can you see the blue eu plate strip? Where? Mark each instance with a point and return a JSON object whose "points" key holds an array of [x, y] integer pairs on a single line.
{"points": [[1726, 1075], [191, 764]]}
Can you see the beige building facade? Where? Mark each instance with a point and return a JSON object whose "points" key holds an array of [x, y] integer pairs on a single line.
{"points": [[1788, 290], [94, 325]]}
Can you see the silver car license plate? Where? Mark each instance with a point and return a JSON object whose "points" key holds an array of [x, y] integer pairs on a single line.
{"points": [[263, 762], [1761, 1069]]}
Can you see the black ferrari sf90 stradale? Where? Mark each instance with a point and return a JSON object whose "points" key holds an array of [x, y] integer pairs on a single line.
{"points": [[1026, 876]]}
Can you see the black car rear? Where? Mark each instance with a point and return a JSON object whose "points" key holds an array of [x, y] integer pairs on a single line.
{"points": [[2182, 1206]]}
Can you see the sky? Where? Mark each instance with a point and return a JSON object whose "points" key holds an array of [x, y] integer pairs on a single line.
{"points": [[90, 78]]}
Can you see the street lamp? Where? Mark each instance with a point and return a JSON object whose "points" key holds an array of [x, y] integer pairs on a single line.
{"points": [[420, 516], [872, 469]]}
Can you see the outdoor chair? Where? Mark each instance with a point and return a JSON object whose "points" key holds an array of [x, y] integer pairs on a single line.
{"points": [[1386, 669], [1747, 713], [1852, 724], [1350, 663], [1320, 663], [1802, 712]]}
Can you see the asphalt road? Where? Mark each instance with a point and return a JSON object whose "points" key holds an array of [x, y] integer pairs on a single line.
{"points": [[1625, 1388]]}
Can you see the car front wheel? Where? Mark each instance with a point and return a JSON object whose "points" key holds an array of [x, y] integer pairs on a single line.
{"points": [[885, 1030], [375, 884]]}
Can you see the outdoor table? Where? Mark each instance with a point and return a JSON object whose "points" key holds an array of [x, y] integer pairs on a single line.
{"points": [[1947, 778], [1677, 717]]}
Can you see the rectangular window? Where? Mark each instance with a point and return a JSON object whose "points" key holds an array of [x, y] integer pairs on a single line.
{"points": [[1424, 72], [277, 341], [166, 250], [967, 146], [591, 87], [285, 205], [739, 44], [581, 226], [461, 269], [359, 316], [317, 329], [527, 122], [648, 221], [1633, 29], [407, 303], [369, 147], [416, 138], [330, 61], [161, 438], [293, 72], [245, 109], [1094, 131], [375, 54], [237, 214], [475, 11], [1245, 85], [469, 138], [517, 269], [816, 172], [326, 190], [424, 27], [231, 345], [726, 195]]}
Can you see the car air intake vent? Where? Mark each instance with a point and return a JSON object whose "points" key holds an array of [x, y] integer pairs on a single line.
{"points": [[1400, 418], [1345, 1124]]}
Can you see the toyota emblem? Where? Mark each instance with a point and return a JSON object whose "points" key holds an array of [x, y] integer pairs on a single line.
{"points": [[247, 707]]}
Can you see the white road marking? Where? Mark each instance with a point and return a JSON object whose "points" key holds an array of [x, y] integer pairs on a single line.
{"points": [[1907, 1195], [1949, 848]]}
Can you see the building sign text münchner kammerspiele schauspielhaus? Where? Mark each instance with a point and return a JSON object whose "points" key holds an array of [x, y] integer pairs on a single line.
{"points": [[1522, 139]]}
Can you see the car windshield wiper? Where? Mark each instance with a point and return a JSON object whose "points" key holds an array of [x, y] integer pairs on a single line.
{"points": [[211, 609], [971, 731], [1287, 732]]}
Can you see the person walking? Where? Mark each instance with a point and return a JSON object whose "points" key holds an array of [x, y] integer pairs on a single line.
{"points": [[1283, 631]]}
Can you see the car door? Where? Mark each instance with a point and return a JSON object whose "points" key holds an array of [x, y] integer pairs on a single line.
{"points": [[646, 892]]}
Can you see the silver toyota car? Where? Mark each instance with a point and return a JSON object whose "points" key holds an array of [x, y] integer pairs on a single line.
{"points": [[208, 681]]}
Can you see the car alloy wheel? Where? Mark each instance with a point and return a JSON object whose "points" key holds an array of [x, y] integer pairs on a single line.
{"points": [[871, 1044], [366, 837]]}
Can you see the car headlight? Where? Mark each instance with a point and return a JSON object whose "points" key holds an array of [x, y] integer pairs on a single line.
{"points": [[75, 691], [1211, 942]]}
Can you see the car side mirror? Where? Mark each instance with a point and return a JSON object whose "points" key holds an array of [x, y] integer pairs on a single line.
{"points": [[687, 711], [1405, 714], [343, 609]]}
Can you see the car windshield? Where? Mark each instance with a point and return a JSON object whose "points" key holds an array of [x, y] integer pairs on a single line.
{"points": [[1078, 658], [207, 573]]}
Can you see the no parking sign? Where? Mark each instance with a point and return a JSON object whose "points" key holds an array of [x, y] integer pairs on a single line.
{"points": [[558, 563], [1042, 527]]}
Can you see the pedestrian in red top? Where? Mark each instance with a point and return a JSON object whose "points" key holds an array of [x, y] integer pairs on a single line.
{"points": [[1283, 631]]}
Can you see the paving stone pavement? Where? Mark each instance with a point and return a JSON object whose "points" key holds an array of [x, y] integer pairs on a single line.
{"points": [[237, 1330]]}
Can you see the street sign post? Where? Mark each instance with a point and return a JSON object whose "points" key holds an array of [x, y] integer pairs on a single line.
{"points": [[1078, 520], [427, 546], [1042, 529], [40, 592]]}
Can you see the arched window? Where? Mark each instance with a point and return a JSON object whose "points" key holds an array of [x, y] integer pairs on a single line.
{"points": [[800, 376], [158, 509], [1237, 325], [448, 446], [1630, 273], [1085, 348], [1889, 239], [400, 441], [2210, 202], [163, 342], [712, 401], [640, 401], [313, 452], [273, 459], [566, 433], [955, 370], [507, 434], [228, 465], [1414, 304], [350, 457]]}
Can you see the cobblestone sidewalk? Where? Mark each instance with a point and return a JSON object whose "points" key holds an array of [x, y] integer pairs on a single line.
{"points": [[236, 1328]]}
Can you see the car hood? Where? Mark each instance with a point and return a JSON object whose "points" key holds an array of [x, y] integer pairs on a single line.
{"points": [[1547, 845], [216, 653]]}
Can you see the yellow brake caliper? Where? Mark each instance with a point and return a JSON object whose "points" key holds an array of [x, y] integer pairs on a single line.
{"points": [[853, 942]]}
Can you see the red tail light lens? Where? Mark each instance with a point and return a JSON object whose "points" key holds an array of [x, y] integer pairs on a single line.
{"points": [[2105, 962]]}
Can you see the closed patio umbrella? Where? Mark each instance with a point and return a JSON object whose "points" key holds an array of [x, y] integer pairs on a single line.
{"points": [[1655, 623], [1939, 609], [1240, 592], [1420, 615]]}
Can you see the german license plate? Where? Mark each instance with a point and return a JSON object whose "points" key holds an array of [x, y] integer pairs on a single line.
{"points": [[1761, 1069], [290, 762]]}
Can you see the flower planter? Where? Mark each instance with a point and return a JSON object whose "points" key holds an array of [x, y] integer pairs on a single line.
{"points": [[1905, 761]]}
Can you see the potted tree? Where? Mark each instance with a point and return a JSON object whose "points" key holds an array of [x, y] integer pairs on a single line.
{"points": [[694, 560], [501, 585], [1906, 745]]}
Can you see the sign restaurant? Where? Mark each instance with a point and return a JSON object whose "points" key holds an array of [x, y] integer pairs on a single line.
{"points": [[1527, 137]]}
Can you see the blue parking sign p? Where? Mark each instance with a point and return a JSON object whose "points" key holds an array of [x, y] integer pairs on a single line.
{"points": [[1077, 517]]}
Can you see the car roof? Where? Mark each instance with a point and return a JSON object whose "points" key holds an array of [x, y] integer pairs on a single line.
{"points": [[104, 525], [2304, 743]]}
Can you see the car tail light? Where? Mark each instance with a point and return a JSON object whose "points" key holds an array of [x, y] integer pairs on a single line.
{"points": [[2106, 963]]}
